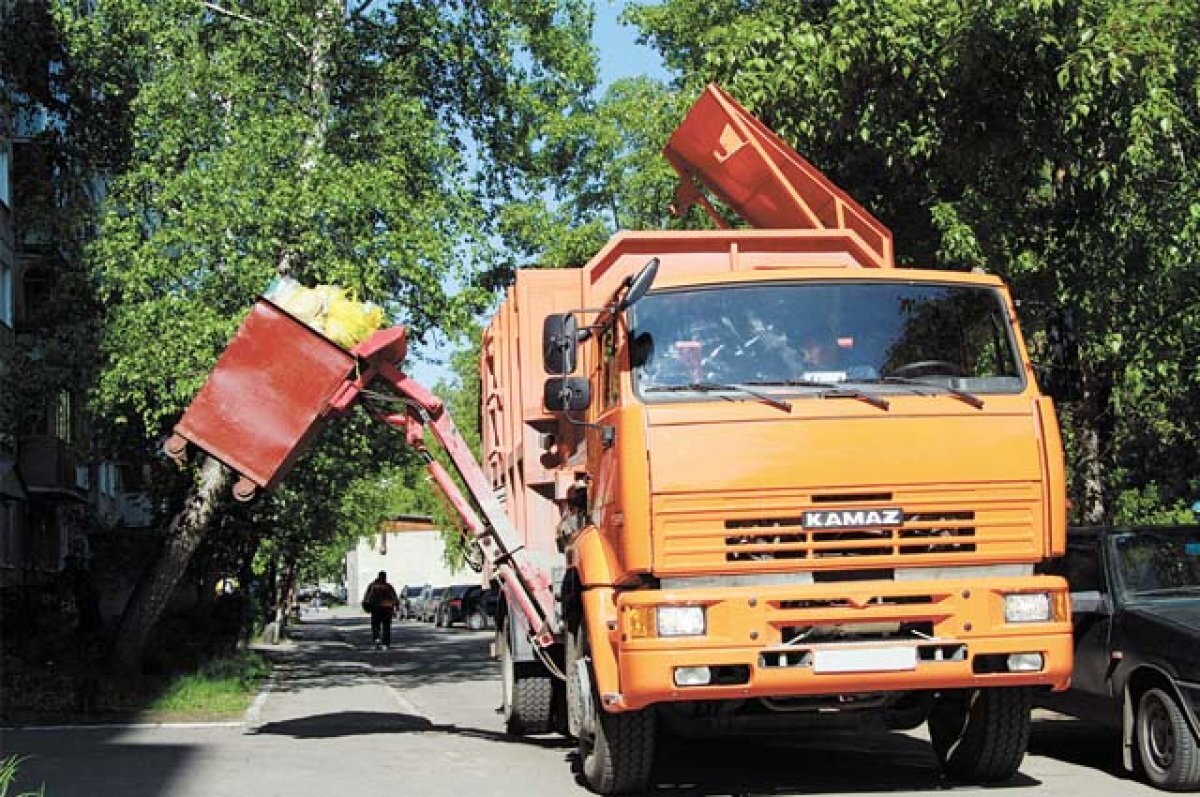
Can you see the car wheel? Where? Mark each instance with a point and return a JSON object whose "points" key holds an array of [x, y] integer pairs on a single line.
{"points": [[476, 621], [441, 619], [1167, 750], [980, 735]]}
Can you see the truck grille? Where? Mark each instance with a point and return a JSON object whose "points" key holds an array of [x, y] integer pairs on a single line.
{"points": [[942, 525], [767, 539]]}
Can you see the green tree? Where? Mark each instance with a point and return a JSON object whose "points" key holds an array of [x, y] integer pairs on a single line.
{"points": [[1054, 142], [356, 144]]}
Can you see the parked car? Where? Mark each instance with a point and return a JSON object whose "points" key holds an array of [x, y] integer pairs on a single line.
{"points": [[450, 608], [479, 608], [408, 599], [469, 604], [427, 603], [1135, 595]]}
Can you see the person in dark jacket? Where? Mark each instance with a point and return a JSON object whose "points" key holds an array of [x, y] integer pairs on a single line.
{"points": [[381, 601]]}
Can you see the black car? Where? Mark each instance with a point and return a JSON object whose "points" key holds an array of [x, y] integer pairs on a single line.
{"points": [[479, 608], [1135, 595], [469, 604]]}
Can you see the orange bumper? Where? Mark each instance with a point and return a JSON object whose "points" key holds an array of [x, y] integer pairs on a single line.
{"points": [[962, 640]]}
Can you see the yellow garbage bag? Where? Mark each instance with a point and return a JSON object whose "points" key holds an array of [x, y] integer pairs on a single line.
{"points": [[328, 310]]}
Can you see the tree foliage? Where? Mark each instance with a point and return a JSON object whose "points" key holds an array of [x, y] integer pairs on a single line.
{"points": [[359, 144], [1054, 142]]}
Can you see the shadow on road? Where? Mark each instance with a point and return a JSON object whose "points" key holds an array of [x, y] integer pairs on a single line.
{"points": [[358, 723], [890, 762], [1081, 743]]}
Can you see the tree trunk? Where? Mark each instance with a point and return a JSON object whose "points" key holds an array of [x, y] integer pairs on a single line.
{"points": [[1095, 441], [187, 529]]}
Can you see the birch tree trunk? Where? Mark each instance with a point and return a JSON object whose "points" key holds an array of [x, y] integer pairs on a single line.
{"points": [[154, 591]]}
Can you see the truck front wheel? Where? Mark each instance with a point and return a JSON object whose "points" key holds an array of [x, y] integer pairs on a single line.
{"points": [[616, 750], [980, 735], [528, 693]]}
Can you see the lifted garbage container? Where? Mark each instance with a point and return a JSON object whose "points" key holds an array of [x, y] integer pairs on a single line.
{"points": [[267, 397]]}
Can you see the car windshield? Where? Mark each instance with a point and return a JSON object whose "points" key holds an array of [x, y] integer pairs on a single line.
{"points": [[1158, 563], [896, 336]]}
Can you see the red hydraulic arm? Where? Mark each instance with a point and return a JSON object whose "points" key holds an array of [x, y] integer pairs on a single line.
{"points": [[526, 587], [279, 382]]}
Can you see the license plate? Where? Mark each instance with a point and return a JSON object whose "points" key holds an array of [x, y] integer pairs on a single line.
{"points": [[864, 659]]}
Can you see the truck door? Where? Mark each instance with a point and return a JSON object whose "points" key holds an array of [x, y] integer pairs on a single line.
{"points": [[602, 446]]}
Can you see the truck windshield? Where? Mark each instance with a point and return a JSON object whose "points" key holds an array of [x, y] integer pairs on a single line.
{"points": [[895, 337], [1158, 563]]}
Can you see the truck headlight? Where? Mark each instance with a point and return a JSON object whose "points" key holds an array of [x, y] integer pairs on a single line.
{"points": [[680, 620], [1027, 607]]}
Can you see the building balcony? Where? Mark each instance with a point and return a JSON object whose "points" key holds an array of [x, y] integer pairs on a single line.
{"points": [[51, 467]]}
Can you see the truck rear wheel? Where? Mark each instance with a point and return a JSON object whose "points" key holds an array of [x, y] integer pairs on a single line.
{"points": [[980, 735], [528, 693], [616, 750]]}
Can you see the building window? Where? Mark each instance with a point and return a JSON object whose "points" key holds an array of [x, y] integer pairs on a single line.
{"points": [[6, 294], [62, 418], [5, 190]]}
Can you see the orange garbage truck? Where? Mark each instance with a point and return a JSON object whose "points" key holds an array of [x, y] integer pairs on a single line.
{"points": [[747, 480], [780, 483]]}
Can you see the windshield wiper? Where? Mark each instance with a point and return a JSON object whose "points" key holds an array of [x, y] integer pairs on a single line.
{"points": [[834, 390], [715, 387], [962, 395]]}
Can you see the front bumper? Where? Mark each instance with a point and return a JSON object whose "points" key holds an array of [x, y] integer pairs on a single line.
{"points": [[749, 629]]}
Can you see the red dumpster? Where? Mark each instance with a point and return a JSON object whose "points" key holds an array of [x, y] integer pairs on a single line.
{"points": [[267, 397]]}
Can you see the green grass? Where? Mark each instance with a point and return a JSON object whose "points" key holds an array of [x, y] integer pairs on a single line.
{"points": [[8, 778], [222, 686]]}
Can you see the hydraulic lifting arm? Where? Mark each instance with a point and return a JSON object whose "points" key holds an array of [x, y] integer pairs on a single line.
{"points": [[526, 587], [276, 386]]}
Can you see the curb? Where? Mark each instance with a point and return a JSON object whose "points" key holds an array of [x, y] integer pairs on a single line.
{"points": [[250, 720]]}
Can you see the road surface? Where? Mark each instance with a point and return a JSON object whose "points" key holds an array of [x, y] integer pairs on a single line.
{"points": [[420, 719]]}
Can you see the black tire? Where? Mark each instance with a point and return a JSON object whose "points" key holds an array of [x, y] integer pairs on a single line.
{"points": [[1167, 753], [476, 621], [616, 750], [527, 692], [980, 735]]}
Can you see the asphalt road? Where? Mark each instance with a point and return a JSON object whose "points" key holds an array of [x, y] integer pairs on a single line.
{"points": [[420, 719]]}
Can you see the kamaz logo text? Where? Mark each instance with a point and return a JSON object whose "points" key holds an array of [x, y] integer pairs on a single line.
{"points": [[853, 518]]}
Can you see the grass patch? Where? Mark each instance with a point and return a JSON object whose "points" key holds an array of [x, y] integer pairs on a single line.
{"points": [[221, 687], [8, 778]]}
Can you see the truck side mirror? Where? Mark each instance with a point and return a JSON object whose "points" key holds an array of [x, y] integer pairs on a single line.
{"points": [[1059, 382], [560, 343], [1061, 378], [640, 284], [567, 394]]}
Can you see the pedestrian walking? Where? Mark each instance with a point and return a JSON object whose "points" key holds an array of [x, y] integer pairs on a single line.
{"points": [[380, 601]]}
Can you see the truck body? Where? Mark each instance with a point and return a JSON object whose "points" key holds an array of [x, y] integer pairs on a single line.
{"points": [[774, 541]]}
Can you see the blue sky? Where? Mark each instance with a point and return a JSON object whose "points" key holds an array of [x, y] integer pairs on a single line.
{"points": [[620, 56]]}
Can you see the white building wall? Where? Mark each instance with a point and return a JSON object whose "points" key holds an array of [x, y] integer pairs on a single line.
{"points": [[412, 558]]}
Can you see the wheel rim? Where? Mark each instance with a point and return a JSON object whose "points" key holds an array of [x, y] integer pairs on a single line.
{"points": [[1158, 733]]}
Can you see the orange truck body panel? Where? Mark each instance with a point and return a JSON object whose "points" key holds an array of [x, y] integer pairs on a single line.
{"points": [[696, 503]]}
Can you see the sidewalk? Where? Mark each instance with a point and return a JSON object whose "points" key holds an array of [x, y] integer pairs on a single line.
{"points": [[337, 718]]}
